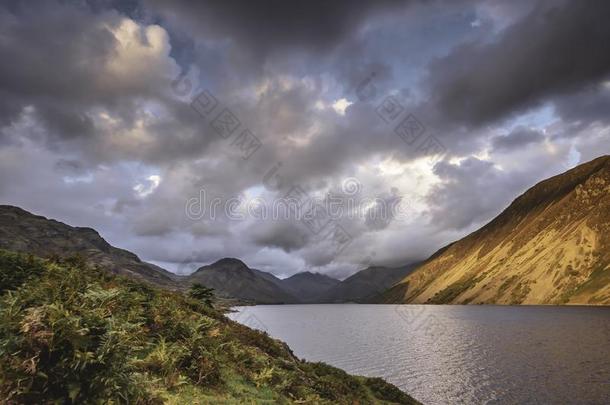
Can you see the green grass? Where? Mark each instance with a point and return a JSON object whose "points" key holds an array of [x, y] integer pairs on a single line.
{"points": [[16, 269], [598, 278], [507, 283], [74, 334], [448, 294]]}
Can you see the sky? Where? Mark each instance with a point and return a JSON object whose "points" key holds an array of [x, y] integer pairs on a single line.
{"points": [[297, 136]]}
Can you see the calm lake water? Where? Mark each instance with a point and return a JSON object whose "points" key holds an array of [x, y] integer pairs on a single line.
{"points": [[455, 354]]}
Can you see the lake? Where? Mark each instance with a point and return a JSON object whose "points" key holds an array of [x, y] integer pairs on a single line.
{"points": [[455, 354]]}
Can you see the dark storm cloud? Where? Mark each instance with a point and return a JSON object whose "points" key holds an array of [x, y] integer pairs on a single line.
{"points": [[68, 64], [62, 122], [268, 25], [55, 76], [286, 235], [40, 55], [89, 121], [590, 105], [69, 166], [557, 48], [472, 192], [519, 138], [382, 212]]}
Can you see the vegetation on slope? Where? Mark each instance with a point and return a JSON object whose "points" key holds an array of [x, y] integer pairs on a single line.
{"points": [[74, 334], [550, 246]]}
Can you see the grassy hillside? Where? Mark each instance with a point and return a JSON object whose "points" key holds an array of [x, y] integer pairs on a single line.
{"points": [[73, 334]]}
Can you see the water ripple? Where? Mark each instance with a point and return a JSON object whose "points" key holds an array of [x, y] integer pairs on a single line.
{"points": [[458, 354]]}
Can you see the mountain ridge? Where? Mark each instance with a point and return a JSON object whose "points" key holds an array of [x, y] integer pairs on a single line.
{"points": [[22, 231], [308, 286], [366, 284], [557, 232], [551, 245], [232, 278], [26, 232]]}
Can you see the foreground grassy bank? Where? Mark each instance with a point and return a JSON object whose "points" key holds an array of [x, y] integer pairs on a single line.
{"points": [[73, 334]]}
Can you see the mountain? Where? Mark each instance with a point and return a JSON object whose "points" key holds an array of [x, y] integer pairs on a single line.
{"points": [[232, 278], [22, 231], [307, 287], [366, 284], [268, 276], [550, 246], [72, 334]]}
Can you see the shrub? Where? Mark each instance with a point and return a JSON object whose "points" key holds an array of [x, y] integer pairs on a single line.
{"points": [[16, 269], [202, 293]]}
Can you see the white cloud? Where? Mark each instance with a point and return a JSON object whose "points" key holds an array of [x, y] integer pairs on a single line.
{"points": [[147, 187], [141, 54], [341, 105]]}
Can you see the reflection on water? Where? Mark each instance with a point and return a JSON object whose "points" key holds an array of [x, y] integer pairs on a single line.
{"points": [[455, 354]]}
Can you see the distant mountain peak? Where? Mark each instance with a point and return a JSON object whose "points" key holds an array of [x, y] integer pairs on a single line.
{"points": [[229, 261], [310, 274], [231, 277], [366, 284]]}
